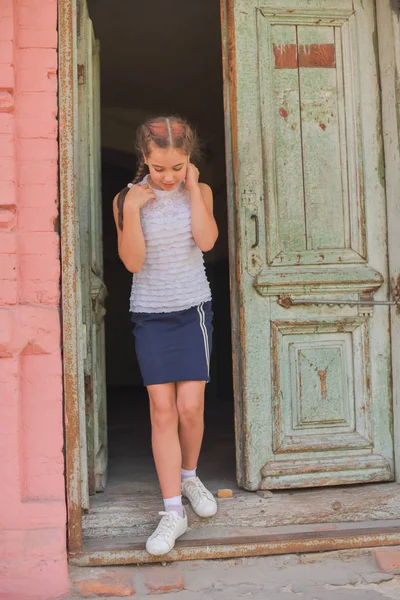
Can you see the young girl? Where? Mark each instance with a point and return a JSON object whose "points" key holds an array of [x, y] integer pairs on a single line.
{"points": [[165, 222]]}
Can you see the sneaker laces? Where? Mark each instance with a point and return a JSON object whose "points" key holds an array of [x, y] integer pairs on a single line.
{"points": [[167, 524], [199, 491]]}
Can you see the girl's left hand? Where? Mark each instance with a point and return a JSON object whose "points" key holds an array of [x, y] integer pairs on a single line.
{"points": [[192, 176]]}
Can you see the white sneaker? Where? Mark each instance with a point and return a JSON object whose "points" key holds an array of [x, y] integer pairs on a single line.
{"points": [[169, 529], [202, 501]]}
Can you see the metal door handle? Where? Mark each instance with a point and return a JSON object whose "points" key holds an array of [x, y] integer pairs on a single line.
{"points": [[257, 229]]}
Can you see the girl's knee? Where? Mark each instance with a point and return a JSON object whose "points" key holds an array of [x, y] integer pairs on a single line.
{"points": [[190, 410], [163, 413]]}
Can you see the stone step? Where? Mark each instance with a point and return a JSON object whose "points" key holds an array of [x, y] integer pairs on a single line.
{"points": [[125, 582]]}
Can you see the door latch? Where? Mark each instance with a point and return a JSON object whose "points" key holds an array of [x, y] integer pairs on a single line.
{"points": [[287, 301], [365, 304]]}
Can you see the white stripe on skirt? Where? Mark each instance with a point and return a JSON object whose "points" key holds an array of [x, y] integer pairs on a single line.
{"points": [[203, 328]]}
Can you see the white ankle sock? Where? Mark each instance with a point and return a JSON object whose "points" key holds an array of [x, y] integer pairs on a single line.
{"points": [[185, 474], [174, 504]]}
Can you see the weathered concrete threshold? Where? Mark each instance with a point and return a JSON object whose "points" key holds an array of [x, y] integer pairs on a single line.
{"points": [[241, 542], [370, 570]]}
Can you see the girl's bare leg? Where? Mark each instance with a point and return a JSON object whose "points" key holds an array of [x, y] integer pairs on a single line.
{"points": [[164, 437], [190, 405]]}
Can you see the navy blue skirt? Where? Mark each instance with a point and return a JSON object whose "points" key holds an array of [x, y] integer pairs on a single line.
{"points": [[174, 346]]}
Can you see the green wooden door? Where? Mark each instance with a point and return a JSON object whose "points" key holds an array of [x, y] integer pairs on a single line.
{"points": [[313, 396], [92, 291]]}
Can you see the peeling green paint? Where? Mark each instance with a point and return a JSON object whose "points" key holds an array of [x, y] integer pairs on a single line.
{"points": [[314, 387], [378, 127]]}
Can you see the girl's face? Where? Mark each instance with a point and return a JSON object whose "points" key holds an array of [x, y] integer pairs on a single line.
{"points": [[167, 167]]}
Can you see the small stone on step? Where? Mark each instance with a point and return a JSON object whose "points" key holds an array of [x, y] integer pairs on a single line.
{"points": [[225, 494]]}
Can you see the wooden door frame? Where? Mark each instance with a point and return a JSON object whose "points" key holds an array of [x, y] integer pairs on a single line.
{"points": [[67, 78], [356, 537], [388, 37]]}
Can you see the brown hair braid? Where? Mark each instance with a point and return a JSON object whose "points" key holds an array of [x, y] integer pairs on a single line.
{"points": [[164, 132]]}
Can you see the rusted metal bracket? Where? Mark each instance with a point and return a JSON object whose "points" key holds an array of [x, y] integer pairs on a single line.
{"points": [[81, 74]]}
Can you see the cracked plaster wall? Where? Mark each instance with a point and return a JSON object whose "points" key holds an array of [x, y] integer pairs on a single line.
{"points": [[32, 501]]}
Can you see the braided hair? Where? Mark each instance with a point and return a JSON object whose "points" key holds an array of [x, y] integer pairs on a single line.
{"points": [[164, 132]]}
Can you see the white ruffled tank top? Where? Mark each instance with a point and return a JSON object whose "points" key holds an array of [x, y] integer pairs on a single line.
{"points": [[173, 275]]}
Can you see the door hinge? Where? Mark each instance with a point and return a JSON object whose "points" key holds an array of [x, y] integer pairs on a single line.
{"points": [[81, 74]]}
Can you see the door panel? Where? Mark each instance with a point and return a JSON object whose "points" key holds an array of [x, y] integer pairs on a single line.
{"points": [[92, 288], [98, 290], [314, 402]]}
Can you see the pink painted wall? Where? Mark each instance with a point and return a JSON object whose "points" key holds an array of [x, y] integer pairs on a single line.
{"points": [[33, 560]]}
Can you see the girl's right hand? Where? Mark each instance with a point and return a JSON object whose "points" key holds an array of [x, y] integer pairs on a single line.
{"points": [[138, 196]]}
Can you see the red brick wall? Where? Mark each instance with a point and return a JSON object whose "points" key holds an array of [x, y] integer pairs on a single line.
{"points": [[32, 497]]}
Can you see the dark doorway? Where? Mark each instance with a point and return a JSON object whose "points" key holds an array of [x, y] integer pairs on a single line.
{"points": [[158, 61]]}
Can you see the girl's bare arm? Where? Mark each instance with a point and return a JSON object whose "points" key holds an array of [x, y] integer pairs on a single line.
{"points": [[131, 244], [204, 227]]}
